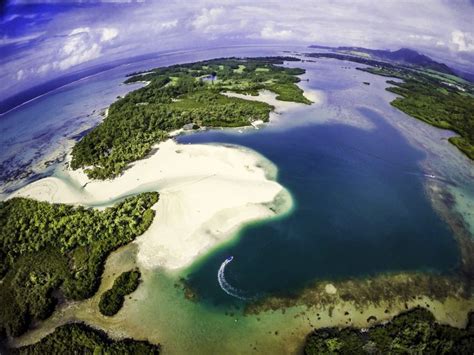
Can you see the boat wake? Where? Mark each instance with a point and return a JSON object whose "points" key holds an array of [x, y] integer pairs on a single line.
{"points": [[225, 286]]}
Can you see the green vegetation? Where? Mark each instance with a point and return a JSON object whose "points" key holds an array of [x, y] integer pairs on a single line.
{"points": [[288, 92], [112, 300], [56, 251], [445, 77], [180, 95], [414, 332], [78, 338], [436, 100], [447, 108]]}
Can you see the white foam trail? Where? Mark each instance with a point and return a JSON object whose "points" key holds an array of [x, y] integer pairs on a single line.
{"points": [[226, 287]]}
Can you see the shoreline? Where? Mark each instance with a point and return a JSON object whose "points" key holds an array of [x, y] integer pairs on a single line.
{"points": [[269, 97], [348, 302]]}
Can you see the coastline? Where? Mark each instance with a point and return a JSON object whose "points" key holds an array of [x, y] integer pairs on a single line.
{"points": [[279, 329]]}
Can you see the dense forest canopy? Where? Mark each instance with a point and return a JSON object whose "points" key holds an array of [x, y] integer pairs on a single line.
{"points": [[112, 300], [179, 95], [49, 248]]}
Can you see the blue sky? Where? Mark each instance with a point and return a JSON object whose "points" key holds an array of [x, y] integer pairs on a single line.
{"points": [[41, 40]]}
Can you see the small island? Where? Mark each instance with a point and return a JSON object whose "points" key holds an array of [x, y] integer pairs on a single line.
{"points": [[112, 300]]}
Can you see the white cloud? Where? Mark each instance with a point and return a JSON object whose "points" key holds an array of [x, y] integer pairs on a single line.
{"points": [[463, 41], [169, 25], [421, 37], [82, 44], [108, 34], [43, 68], [20, 74], [268, 32], [207, 20], [82, 53], [21, 39], [79, 30]]}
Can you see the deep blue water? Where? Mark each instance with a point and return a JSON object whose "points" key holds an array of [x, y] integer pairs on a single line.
{"points": [[360, 209]]}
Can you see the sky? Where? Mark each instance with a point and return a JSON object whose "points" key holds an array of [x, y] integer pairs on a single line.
{"points": [[43, 40]]}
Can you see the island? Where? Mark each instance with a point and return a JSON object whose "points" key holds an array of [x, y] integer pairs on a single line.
{"points": [[112, 300], [54, 252], [180, 95]]}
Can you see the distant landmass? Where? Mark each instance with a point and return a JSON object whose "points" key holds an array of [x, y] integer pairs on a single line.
{"points": [[404, 56]]}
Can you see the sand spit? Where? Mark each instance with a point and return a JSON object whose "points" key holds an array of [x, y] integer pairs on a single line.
{"points": [[207, 193]]}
